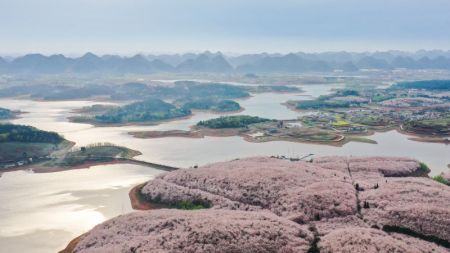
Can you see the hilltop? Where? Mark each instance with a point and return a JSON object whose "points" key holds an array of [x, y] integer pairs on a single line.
{"points": [[270, 204]]}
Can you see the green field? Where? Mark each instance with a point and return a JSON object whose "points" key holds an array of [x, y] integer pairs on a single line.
{"points": [[339, 122]]}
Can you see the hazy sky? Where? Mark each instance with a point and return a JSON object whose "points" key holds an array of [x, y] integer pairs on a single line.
{"points": [[131, 26]]}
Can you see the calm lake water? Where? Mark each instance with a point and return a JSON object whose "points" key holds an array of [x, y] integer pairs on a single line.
{"points": [[41, 212]]}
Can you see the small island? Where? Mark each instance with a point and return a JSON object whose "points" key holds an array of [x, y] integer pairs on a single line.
{"points": [[150, 111], [147, 111], [255, 129]]}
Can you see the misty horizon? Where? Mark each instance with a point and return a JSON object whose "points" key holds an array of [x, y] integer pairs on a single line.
{"points": [[130, 27], [216, 62], [15, 54], [224, 53]]}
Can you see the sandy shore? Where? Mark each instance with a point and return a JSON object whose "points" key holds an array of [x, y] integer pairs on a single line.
{"points": [[72, 244], [138, 203]]}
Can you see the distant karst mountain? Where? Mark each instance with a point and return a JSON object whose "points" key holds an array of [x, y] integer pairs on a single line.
{"points": [[219, 63], [37, 63], [139, 64], [206, 62]]}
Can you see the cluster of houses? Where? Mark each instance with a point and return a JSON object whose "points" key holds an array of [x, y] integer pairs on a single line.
{"points": [[415, 115], [23, 161]]}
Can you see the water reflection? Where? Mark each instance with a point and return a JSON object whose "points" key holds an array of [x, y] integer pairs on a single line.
{"points": [[35, 205]]}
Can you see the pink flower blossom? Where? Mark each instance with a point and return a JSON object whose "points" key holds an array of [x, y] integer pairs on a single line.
{"points": [[263, 204], [416, 203], [300, 191], [369, 240], [169, 230]]}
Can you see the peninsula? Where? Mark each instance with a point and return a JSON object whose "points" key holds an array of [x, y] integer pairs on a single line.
{"points": [[23, 147]]}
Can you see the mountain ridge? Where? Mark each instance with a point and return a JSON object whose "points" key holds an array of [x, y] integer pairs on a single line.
{"points": [[299, 62]]}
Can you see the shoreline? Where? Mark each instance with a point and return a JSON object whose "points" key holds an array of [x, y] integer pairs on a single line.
{"points": [[343, 139], [39, 168], [138, 203], [229, 132], [72, 244], [423, 137], [430, 140]]}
